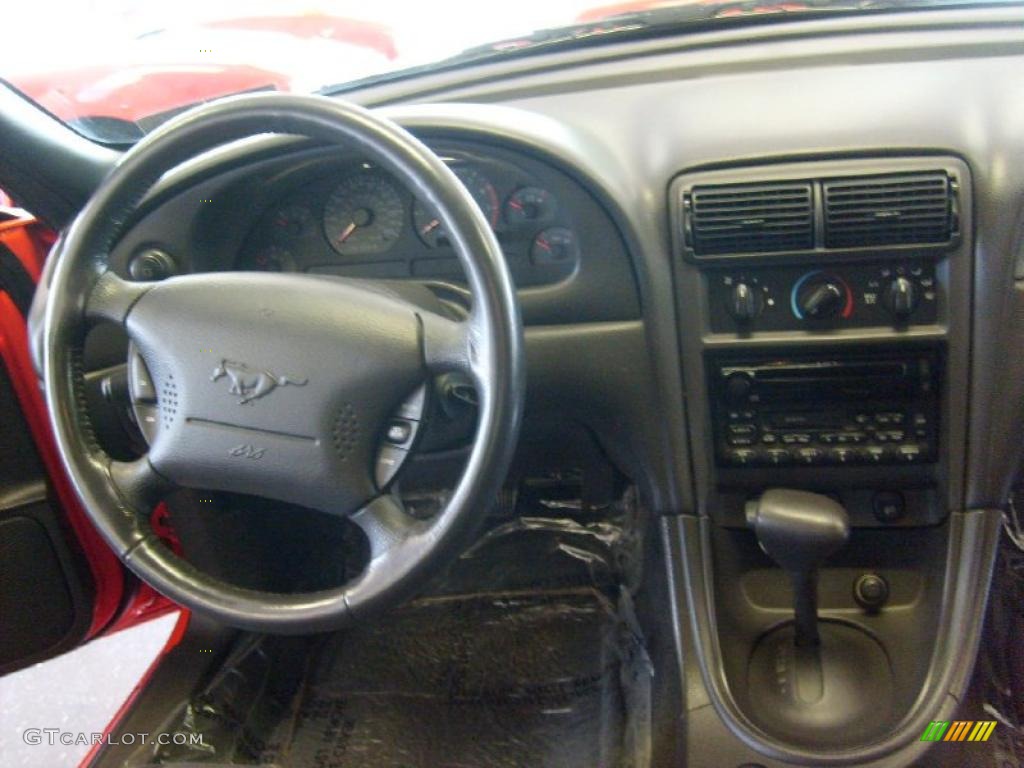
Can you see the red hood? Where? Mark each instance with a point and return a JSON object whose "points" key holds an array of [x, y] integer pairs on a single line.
{"points": [[134, 92], [166, 70]]}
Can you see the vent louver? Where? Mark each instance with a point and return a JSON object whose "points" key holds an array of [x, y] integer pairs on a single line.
{"points": [[902, 209], [751, 218]]}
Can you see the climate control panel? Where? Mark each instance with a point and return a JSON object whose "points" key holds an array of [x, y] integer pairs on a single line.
{"points": [[842, 295]]}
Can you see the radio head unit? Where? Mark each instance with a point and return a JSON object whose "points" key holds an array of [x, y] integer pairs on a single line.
{"points": [[815, 410]]}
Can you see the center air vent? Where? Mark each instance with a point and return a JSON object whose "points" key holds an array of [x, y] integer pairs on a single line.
{"points": [[750, 218], [901, 209]]}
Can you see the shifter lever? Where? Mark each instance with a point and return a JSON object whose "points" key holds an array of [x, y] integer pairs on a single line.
{"points": [[798, 530]]}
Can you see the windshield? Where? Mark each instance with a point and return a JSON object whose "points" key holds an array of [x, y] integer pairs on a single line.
{"points": [[114, 69]]}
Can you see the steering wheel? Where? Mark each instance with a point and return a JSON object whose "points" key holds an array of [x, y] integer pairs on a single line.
{"points": [[291, 387]]}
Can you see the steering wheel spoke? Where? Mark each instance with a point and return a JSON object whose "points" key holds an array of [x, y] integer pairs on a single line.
{"points": [[386, 525], [111, 297], [450, 345], [138, 484]]}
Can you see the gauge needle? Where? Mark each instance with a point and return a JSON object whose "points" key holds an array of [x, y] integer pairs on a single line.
{"points": [[347, 232], [430, 227]]}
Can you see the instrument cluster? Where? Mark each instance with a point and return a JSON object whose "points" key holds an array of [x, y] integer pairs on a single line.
{"points": [[358, 220]]}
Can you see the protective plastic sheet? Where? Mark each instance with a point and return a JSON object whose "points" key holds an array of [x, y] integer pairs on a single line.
{"points": [[1000, 670], [996, 691], [527, 653]]}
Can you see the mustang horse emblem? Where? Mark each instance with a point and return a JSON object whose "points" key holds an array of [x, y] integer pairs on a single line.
{"points": [[249, 384]]}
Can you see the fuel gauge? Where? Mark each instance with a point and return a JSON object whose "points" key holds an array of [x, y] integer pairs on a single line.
{"points": [[529, 205]]}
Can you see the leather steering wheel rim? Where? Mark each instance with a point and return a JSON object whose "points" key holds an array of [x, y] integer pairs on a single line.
{"points": [[488, 347]]}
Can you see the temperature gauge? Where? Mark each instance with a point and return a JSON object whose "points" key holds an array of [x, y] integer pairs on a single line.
{"points": [[554, 245]]}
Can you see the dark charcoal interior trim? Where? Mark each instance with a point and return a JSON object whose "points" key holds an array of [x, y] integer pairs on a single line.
{"points": [[974, 537]]}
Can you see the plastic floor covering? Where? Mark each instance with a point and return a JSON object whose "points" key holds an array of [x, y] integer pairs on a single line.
{"points": [[540, 664]]}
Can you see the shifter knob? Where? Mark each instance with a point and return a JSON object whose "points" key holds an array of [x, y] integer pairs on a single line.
{"points": [[798, 530]]}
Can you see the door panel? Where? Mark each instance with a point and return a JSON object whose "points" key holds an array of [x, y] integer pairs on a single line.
{"points": [[59, 583]]}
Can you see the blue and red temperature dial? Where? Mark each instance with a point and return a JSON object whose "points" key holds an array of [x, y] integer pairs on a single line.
{"points": [[820, 295]]}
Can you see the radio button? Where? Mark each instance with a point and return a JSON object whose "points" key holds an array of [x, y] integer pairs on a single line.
{"points": [[742, 429], [778, 456], [742, 440], [843, 455], [889, 418], [875, 454], [741, 457], [809, 456], [910, 454], [738, 387]]}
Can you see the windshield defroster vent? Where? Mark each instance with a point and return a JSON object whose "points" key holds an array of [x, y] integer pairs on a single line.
{"points": [[900, 209], [750, 218]]}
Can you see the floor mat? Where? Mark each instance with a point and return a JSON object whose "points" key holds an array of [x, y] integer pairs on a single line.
{"points": [[495, 680]]}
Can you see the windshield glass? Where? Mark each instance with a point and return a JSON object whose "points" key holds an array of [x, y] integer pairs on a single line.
{"points": [[114, 69]]}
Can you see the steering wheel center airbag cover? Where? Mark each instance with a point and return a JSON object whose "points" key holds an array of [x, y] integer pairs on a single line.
{"points": [[254, 374]]}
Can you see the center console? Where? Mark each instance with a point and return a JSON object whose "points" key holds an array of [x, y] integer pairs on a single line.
{"points": [[824, 309]]}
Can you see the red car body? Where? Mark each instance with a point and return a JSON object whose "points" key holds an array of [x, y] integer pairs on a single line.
{"points": [[162, 72]]}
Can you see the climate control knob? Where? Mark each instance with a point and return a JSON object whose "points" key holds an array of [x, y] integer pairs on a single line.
{"points": [[745, 302], [901, 298], [820, 297]]}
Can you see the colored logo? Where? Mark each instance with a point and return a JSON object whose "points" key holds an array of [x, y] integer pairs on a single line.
{"points": [[959, 730]]}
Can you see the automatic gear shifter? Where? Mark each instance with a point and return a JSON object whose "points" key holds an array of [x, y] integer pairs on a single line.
{"points": [[798, 530], [813, 682]]}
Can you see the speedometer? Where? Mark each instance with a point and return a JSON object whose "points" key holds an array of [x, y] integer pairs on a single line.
{"points": [[428, 224], [364, 214]]}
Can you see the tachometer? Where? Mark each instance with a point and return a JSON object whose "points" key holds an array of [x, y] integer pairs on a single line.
{"points": [[428, 225], [364, 214]]}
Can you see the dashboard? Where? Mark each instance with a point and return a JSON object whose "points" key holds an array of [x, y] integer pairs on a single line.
{"points": [[808, 328]]}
